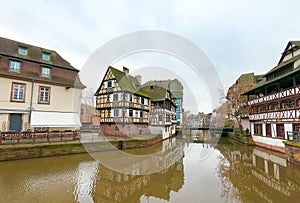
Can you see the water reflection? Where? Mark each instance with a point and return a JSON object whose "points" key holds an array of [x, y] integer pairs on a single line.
{"points": [[257, 174], [230, 172]]}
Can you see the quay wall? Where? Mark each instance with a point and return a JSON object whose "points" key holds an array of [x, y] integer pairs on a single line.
{"points": [[28, 151]]}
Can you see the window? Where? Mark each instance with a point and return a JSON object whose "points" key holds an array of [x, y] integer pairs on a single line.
{"points": [[109, 84], [46, 56], [130, 98], [115, 97], [160, 118], [142, 100], [81, 111], [18, 92], [14, 66], [130, 113], [141, 114], [44, 95], [22, 51], [116, 113], [45, 71], [116, 128]]}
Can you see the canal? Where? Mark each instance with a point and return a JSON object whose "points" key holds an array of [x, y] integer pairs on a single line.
{"points": [[212, 169]]}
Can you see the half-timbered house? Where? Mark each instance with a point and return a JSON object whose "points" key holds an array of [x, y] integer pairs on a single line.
{"points": [[123, 107], [163, 111], [275, 102]]}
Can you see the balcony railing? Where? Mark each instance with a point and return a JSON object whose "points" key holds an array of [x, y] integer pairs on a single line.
{"points": [[122, 104], [275, 115], [34, 137], [285, 93]]}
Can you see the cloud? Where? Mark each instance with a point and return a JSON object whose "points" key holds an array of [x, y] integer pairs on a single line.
{"points": [[238, 36]]}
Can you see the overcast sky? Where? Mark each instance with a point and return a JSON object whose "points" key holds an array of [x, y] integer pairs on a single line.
{"points": [[237, 36]]}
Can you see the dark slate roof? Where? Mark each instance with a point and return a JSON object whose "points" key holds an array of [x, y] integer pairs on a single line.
{"points": [[9, 47], [174, 86], [264, 82], [128, 82]]}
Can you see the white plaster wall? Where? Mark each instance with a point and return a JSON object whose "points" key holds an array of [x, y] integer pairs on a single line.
{"points": [[268, 141], [264, 129], [3, 122], [252, 128], [287, 127], [245, 124]]}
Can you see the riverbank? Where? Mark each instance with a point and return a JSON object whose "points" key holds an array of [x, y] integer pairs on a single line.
{"points": [[239, 137], [28, 151]]}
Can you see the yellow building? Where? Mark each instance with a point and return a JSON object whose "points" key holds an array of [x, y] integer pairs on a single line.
{"points": [[39, 91]]}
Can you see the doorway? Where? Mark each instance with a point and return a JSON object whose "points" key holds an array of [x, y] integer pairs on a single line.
{"points": [[15, 122]]}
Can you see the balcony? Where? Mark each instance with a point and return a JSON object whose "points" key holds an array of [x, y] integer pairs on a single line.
{"points": [[122, 104], [290, 114], [278, 95]]}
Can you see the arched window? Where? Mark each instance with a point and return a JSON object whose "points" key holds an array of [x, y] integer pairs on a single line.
{"points": [[274, 106], [261, 108], [116, 128], [298, 103], [287, 104]]}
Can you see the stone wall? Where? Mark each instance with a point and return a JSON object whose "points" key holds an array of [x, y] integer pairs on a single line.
{"points": [[45, 150]]}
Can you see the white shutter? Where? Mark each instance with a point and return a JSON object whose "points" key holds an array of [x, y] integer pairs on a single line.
{"points": [[112, 83], [105, 84], [111, 97]]}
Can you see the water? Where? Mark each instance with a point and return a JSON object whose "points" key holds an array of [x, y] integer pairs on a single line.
{"points": [[197, 172]]}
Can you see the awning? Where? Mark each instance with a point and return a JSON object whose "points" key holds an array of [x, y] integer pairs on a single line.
{"points": [[54, 119]]}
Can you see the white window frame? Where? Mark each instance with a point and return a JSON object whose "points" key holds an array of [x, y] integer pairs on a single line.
{"points": [[22, 51], [45, 73], [46, 56], [116, 111], [114, 97], [44, 95], [15, 66], [18, 92]]}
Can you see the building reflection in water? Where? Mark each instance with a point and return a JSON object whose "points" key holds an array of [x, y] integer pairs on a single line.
{"points": [[112, 186], [257, 174]]}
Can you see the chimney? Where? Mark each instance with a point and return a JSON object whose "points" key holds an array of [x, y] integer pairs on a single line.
{"points": [[139, 78], [126, 70]]}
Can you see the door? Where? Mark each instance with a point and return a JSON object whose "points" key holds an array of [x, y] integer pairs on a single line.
{"points": [[15, 122], [268, 130]]}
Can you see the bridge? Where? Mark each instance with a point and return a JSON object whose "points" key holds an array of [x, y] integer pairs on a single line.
{"points": [[223, 130]]}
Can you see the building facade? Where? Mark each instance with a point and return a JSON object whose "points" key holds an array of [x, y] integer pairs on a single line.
{"points": [[176, 89], [275, 102], [40, 91], [124, 109], [163, 111], [89, 117]]}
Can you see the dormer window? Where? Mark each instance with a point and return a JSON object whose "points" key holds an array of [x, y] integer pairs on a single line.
{"points": [[45, 71], [22, 51], [46, 56], [14, 66]]}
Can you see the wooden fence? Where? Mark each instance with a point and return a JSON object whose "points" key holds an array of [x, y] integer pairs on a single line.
{"points": [[34, 137]]}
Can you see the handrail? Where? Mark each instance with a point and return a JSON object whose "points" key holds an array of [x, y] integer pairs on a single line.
{"points": [[33, 137]]}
